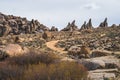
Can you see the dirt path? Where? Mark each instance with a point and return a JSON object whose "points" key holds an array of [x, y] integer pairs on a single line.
{"points": [[51, 45]]}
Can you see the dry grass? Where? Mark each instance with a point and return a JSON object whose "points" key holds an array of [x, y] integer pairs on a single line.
{"points": [[43, 66]]}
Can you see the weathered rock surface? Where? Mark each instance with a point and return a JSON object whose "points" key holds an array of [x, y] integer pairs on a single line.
{"points": [[87, 26], [14, 49], [99, 53], [70, 27], [104, 23], [10, 24], [93, 64], [53, 28]]}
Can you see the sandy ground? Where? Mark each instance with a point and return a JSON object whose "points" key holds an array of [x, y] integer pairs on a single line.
{"points": [[52, 44]]}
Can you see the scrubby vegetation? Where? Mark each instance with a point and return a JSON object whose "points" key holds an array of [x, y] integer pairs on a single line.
{"points": [[40, 66]]}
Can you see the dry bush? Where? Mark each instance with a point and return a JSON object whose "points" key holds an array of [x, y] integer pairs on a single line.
{"points": [[10, 72], [36, 72], [42, 66], [67, 71], [41, 71], [3, 55], [33, 58], [59, 71]]}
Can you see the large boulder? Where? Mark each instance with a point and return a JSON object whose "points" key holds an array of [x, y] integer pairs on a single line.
{"points": [[79, 51], [54, 28], [74, 51], [99, 53], [114, 25], [86, 51], [1, 17], [4, 29], [48, 35], [14, 49], [93, 64]]}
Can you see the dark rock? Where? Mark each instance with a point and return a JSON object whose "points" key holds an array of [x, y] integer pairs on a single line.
{"points": [[70, 27], [16, 25], [104, 23], [3, 55], [87, 26], [83, 26], [114, 25], [99, 54], [93, 64], [54, 28]]}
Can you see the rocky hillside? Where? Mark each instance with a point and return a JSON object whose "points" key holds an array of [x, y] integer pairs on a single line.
{"points": [[10, 24], [97, 49]]}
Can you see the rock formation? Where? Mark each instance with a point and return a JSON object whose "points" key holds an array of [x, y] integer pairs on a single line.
{"points": [[70, 27], [114, 25], [54, 28], [104, 23], [83, 26], [17, 25], [87, 26]]}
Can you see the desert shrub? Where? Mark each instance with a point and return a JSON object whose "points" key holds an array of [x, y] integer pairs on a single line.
{"points": [[36, 72], [33, 58], [3, 55], [40, 66], [67, 71], [58, 71], [48, 58], [10, 72]]}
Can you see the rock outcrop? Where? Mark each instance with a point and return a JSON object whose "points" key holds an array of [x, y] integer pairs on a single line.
{"points": [[87, 26], [70, 27], [114, 25], [104, 23], [93, 64], [83, 26], [54, 28], [10, 24]]}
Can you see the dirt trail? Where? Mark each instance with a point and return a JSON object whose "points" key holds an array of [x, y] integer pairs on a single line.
{"points": [[51, 45]]}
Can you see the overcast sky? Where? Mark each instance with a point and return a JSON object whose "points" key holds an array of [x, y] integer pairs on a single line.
{"points": [[59, 12]]}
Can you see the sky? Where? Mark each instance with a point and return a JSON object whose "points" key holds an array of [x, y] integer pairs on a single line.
{"points": [[59, 12]]}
